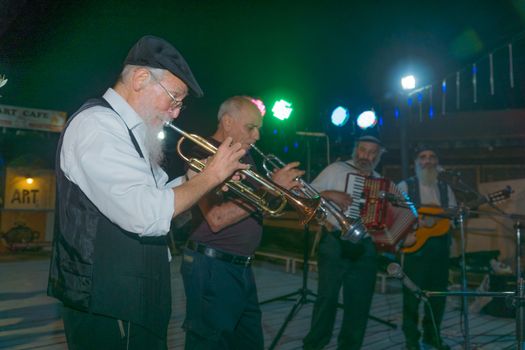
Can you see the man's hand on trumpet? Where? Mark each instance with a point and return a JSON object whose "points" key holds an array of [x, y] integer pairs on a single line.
{"points": [[288, 175], [224, 163]]}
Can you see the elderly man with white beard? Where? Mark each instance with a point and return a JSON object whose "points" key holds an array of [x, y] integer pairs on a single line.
{"points": [[428, 266], [110, 264]]}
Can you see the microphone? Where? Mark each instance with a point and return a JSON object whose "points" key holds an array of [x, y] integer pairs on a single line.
{"points": [[395, 270], [447, 173], [308, 133]]}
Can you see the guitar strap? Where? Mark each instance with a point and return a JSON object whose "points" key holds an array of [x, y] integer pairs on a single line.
{"points": [[443, 193]]}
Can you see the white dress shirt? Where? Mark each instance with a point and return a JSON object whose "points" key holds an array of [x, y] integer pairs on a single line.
{"points": [[98, 155]]}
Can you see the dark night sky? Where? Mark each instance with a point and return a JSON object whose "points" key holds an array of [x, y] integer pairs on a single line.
{"points": [[317, 54]]}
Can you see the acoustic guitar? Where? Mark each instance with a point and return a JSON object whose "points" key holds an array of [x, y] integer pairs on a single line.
{"points": [[433, 221]]}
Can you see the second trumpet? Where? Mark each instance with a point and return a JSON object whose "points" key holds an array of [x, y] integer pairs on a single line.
{"points": [[352, 230], [269, 197]]}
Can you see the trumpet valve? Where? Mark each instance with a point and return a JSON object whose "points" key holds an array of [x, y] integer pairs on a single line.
{"points": [[321, 215]]}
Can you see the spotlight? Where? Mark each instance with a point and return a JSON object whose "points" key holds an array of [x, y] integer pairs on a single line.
{"points": [[29, 180], [408, 82], [367, 119], [340, 116], [282, 109]]}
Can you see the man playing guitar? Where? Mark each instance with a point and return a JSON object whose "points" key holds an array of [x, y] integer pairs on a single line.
{"points": [[427, 264]]}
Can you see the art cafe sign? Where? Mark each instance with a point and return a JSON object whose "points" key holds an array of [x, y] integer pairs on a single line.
{"points": [[33, 119]]}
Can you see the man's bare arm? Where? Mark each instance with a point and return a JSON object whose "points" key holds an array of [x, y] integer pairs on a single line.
{"points": [[223, 214], [342, 199]]}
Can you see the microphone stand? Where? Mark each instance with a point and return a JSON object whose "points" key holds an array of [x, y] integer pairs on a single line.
{"points": [[460, 215], [302, 293], [518, 295], [464, 302], [519, 304]]}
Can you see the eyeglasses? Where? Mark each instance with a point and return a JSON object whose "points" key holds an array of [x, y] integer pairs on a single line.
{"points": [[174, 102]]}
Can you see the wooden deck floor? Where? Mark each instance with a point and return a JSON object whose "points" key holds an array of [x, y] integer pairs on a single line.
{"points": [[30, 320]]}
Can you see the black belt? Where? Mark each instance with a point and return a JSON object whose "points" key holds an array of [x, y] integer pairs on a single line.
{"points": [[220, 255]]}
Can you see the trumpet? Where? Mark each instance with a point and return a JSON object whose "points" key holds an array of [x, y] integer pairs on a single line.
{"points": [[305, 207], [352, 230]]}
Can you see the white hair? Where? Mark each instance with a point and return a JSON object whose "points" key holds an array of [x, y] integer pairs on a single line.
{"points": [[234, 106], [129, 69]]}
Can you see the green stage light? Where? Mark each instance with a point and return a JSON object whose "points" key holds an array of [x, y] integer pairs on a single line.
{"points": [[282, 109]]}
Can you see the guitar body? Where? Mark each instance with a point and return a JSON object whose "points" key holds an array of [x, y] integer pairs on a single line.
{"points": [[431, 225]]}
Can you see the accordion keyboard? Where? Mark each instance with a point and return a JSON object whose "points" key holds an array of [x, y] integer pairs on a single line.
{"points": [[356, 187]]}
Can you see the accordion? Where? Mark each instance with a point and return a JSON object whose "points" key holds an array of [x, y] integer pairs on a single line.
{"points": [[386, 223]]}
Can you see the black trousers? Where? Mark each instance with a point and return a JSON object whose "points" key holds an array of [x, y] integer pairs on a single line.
{"points": [[428, 269], [85, 331], [354, 268]]}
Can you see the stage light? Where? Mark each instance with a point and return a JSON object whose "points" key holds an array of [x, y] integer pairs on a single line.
{"points": [[340, 116], [367, 119], [408, 82], [282, 109]]}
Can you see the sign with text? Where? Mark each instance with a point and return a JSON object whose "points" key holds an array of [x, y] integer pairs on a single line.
{"points": [[29, 188], [33, 119]]}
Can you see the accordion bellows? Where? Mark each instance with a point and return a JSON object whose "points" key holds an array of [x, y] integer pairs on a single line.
{"points": [[387, 223]]}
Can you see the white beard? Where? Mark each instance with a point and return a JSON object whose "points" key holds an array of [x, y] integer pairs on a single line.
{"points": [[364, 165], [427, 176], [152, 142]]}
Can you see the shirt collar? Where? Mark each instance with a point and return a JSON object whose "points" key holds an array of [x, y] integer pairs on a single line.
{"points": [[122, 107]]}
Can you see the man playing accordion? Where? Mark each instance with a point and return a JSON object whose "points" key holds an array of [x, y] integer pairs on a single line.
{"points": [[359, 192]]}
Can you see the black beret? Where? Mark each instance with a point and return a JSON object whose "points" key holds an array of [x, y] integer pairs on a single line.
{"points": [[154, 52], [424, 147], [370, 135], [370, 138]]}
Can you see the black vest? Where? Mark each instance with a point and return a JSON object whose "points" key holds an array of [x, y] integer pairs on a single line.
{"points": [[413, 192], [100, 268]]}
